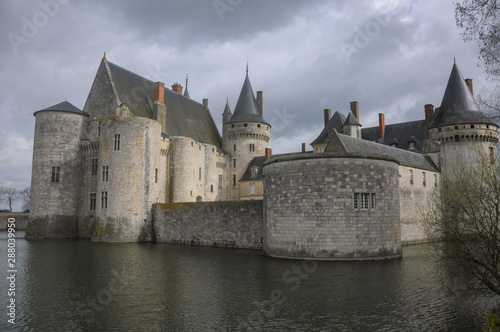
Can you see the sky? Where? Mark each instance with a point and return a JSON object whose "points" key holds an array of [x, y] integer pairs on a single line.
{"points": [[393, 57]]}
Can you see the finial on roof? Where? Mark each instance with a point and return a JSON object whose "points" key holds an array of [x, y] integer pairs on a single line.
{"points": [[247, 67], [454, 60], [104, 55], [187, 80]]}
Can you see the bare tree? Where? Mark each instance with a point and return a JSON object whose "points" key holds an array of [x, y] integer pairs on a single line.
{"points": [[25, 195], [9, 195], [480, 22], [463, 223]]}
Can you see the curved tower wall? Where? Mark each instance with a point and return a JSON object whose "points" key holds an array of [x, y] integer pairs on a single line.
{"points": [[464, 143], [236, 143], [124, 200], [309, 210], [56, 199]]}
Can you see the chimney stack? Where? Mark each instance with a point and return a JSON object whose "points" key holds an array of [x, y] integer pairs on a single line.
{"points": [[177, 88], [205, 103], [469, 84], [159, 92], [355, 109], [269, 152], [260, 103], [303, 147], [381, 124], [429, 114], [327, 114]]}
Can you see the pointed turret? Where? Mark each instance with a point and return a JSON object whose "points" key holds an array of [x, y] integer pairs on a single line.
{"points": [[186, 93], [351, 126], [246, 108], [458, 105]]}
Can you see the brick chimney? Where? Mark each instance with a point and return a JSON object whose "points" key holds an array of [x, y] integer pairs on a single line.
{"points": [[177, 88], [269, 152], [381, 124], [327, 113], [429, 114], [303, 147], [159, 91], [260, 103], [469, 84], [355, 109]]}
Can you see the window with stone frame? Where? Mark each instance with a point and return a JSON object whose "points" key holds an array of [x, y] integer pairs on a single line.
{"points": [[94, 166], [435, 180], [117, 142], [411, 176], [423, 179], [104, 200], [364, 201], [252, 188], [56, 172], [93, 199], [105, 170]]}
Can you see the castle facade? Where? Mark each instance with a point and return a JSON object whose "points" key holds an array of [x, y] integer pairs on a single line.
{"points": [[100, 172]]}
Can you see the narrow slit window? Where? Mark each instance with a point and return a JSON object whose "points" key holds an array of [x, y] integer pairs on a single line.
{"points": [[373, 202]]}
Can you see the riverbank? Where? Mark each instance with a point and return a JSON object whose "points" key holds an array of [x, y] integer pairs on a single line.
{"points": [[21, 220]]}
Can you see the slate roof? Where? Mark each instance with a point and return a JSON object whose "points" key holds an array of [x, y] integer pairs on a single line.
{"points": [[227, 109], [344, 143], [351, 120], [402, 132], [184, 116], [336, 122], [64, 106], [246, 108], [257, 161], [458, 105]]}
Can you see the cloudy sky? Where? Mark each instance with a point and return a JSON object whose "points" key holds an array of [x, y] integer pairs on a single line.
{"points": [[391, 56]]}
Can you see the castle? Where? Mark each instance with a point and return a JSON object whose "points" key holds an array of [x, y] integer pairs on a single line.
{"points": [[137, 147]]}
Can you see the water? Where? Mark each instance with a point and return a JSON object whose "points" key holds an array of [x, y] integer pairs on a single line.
{"points": [[83, 286]]}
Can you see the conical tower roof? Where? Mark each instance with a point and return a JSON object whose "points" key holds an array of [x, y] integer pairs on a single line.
{"points": [[186, 92], [246, 108], [351, 120], [64, 106], [458, 105], [227, 109]]}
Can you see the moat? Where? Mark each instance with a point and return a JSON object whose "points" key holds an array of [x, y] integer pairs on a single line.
{"points": [[83, 286]]}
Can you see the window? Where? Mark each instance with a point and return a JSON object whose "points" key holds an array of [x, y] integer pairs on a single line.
{"points": [[252, 147], [356, 201], [412, 145], [234, 147], [492, 155], [244, 125], [234, 179], [117, 142], [364, 201], [411, 177], [258, 126], [373, 205], [56, 171], [99, 129], [232, 126], [220, 181], [435, 180], [254, 170], [104, 200], [252, 188], [472, 126], [199, 146], [457, 138], [199, 173], [211, 188], [156, 175], [105, 173], [234, 163], [423, 179], [456, 127], [192, 144], [93, 198], [94, 166]]}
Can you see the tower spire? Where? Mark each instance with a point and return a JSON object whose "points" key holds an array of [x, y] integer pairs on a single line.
{"points": [[186, 92], [247, 68]]}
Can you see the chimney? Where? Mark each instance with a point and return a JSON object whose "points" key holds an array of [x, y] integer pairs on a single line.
{"points": [[327, 114], [429, 114], [159, 91], [469, 84], [205, 103], [269, 152], [260, 103], [177, 88], [381, 124], [303, 147], [355, 109]]}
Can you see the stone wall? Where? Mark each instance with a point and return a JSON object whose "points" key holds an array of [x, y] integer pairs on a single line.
{"points": [[310, 210], [21, 220], [236, 224], [413, 197]]}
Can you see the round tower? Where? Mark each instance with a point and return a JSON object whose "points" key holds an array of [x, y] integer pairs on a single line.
{"points": [[245, 135], [56, 172], [460, 127]]}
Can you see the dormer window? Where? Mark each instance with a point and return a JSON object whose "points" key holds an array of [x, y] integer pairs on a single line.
{"points": [[411, 145], [254, 171]]}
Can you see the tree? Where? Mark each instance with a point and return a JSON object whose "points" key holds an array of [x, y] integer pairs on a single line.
{"points": [[480, 21], [9, 195], [462, 222], [25, 195]]}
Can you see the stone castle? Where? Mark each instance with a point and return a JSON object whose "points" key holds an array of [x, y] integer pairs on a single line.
{"points": [[144, 163]]}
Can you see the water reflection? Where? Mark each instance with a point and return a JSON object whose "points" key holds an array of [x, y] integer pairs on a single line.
{"points": [[85, 286]]}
